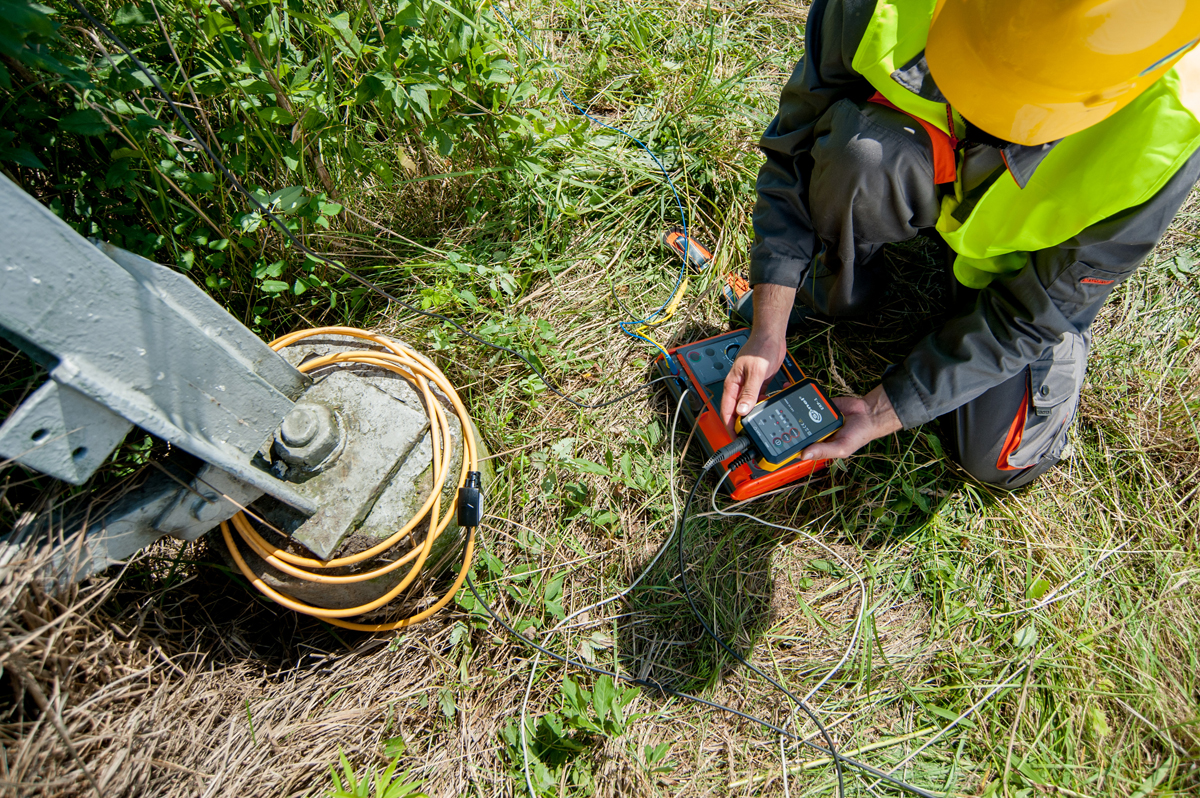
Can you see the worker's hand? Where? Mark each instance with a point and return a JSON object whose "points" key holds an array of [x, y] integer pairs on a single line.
{"points": [[763, 353], [756, 363], [866, 419]]}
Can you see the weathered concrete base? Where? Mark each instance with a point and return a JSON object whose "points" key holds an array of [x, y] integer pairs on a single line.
{"points": [[397, 502]]}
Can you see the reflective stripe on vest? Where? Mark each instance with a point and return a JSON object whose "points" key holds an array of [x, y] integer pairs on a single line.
{"points": [[1114, 165]]}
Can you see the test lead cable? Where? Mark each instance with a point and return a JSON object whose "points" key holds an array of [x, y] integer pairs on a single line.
{"points": [[743, 455], [667, 690], [740, 447]]}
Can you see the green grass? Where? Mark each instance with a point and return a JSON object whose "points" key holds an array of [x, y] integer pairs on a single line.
{"points": [[1064, 617]]}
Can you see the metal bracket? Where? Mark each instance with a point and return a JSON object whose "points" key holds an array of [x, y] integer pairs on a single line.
{"points": [[141, 340], [212, 497], [61, 432], [168, 502]]}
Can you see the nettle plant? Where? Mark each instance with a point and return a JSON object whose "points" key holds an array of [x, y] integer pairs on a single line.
{"points": [[311, 104]]}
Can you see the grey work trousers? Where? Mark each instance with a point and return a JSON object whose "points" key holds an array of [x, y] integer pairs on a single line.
{"points": [[872, 184]]}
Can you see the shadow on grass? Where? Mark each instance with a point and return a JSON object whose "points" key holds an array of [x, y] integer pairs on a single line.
{"points": [[883, 495], [729, 576]]}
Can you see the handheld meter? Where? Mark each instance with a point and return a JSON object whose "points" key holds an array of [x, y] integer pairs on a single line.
{"points": [[785, 424], [701, 368]]}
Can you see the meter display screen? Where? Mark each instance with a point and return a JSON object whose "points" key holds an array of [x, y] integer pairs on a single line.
{"points": [[790, 421]]}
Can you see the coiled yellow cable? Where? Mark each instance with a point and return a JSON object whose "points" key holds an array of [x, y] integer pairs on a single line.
{"points": [[421, 372]]}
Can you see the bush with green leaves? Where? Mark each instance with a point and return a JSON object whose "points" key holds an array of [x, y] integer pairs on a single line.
{"points": [[305, 101]]}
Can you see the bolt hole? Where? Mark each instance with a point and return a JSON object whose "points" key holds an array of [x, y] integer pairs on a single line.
{"points": [[40, 435], [79, 453]]}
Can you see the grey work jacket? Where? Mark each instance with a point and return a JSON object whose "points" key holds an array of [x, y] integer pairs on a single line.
{"points": [[1019, 315]]}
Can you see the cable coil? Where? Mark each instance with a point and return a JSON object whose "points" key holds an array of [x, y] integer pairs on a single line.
{"points": [[424, 375]]}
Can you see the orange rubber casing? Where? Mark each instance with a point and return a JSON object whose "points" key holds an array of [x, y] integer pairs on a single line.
{"points": [[747, 481]]}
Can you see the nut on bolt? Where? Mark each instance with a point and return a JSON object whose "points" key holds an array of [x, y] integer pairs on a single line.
{"points": [[308, 435]]}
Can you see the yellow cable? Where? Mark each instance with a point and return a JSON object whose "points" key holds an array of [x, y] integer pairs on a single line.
{"points": [[668, 311], [673, 305], [645, 328], [422, 372]]}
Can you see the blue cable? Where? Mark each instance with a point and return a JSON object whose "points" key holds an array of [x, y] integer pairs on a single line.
{"points": [[687, 242]]}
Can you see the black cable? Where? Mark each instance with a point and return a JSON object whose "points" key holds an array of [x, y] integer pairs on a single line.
{"points": [[283, 228], [804, 707], [667, 690], [738, 445]]}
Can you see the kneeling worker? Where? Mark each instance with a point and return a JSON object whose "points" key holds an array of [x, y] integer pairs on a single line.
{"points": [[1050, 142]]}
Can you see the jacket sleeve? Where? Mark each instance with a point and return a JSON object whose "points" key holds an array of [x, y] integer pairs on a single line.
{"points": [[1017, 317], [784, 241]]}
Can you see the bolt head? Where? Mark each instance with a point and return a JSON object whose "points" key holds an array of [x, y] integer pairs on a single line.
{"points": [[308, 436], [207, 507], [299, 426]]}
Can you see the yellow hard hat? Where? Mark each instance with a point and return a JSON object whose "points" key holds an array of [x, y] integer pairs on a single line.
{"points": [[1032, 71]]}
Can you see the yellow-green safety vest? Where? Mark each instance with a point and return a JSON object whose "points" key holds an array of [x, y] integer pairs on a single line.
{"points": [[1116, 164]]}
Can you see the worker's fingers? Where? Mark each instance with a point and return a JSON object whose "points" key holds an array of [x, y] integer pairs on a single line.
{"points": [[743, 386], [857, 432], [756, 363], [733, 389], [840, 444], [751, 387]]}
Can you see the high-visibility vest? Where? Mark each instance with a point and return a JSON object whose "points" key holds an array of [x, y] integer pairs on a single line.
{"points": [[1114, 165]]}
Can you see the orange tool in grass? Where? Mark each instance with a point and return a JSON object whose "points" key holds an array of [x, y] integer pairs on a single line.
{"points": [[698, 258]]}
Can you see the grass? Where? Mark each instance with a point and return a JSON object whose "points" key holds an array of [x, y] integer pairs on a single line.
{"points": [[1043, 642]]}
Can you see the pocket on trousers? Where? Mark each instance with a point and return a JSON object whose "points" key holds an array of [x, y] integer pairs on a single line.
{"points": [[1055, 381]]}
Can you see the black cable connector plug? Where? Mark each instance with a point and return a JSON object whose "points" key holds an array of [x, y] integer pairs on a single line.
{"points": [[741, 460], [470, 501], [739, 445]]}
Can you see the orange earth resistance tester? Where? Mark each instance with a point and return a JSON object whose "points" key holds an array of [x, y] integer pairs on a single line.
{"points": [[782, 430]]}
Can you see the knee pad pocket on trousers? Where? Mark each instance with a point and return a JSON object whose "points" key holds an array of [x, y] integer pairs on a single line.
{"points": [[1015, 431], [1055, 381]]}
